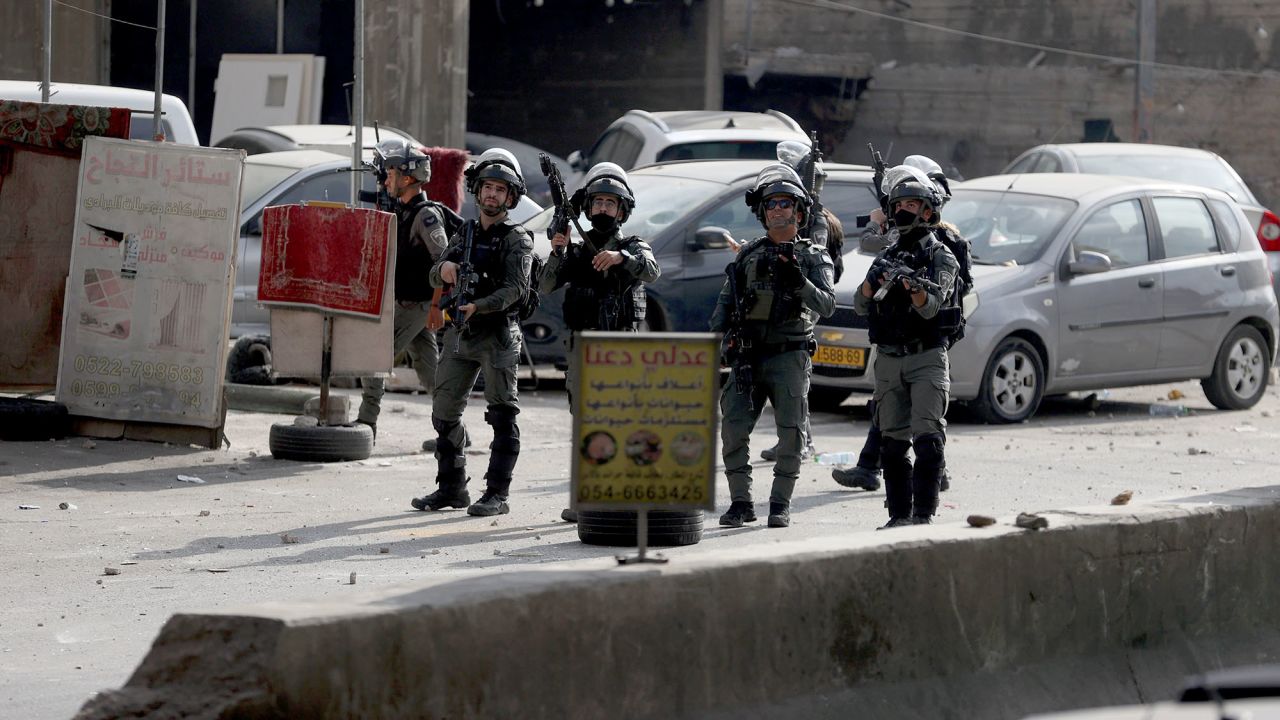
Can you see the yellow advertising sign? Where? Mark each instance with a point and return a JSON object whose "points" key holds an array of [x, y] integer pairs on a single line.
{"points": [[644, 428]]}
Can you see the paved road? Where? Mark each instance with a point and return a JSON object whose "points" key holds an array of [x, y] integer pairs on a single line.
{"points": [[67, 630]]}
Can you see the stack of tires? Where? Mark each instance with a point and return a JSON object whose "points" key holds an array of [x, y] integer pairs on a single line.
{"points": [[28, 419], [667, 528]]}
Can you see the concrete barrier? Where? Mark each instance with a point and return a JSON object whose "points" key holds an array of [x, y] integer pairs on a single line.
{"points": [[1108, 606]]}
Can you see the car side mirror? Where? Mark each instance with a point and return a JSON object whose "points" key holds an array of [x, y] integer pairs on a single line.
{"points": [[253, 227], [710, 237], [1089, 263], [871, 242], [576, 162]]}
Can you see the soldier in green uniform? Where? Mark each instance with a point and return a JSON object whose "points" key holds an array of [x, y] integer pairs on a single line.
{"points": [[784, 283], [494, 258], [606, 272], [911, 323], [420, 240]]}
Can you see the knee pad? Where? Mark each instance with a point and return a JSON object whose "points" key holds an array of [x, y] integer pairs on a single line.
{"points": [[503, 421], [929, 449], [443, 429], [893, 456]]}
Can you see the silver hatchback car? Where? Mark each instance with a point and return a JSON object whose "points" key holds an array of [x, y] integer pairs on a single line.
{"points": [[1085, 282]]}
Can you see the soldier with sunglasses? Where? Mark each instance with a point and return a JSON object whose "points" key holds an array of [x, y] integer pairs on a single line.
{"points": [[784, 283]]}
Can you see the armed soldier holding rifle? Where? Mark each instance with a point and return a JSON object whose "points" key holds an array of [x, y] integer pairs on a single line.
{"points": [[488, 266], [420, 240], [606, 272], [778, 286], [913, 315]]}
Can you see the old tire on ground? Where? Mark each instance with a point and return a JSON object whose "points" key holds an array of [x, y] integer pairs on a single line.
{"points": [[249, 362], [329, 443], [618, 528], [28, 419], [1012, 384], [1240, 371]]}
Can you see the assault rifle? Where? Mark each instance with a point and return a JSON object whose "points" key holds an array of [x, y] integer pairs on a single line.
{"points": [[894, 272], [737, 352], [560, 200], [814, 178], [380, 198], [462, 290]]}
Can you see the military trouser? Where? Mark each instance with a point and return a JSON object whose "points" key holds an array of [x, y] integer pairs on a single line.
{"points": [[496, 353], [409, 328], [783, 380], [912, 392]]}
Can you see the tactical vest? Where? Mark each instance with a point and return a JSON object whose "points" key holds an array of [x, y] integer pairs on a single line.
{"points": [[892, 321], [489, 266], [413, 263], [611, 300], [764, 304]]}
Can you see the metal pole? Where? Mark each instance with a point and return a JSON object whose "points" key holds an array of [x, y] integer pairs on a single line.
{"points": [[357, 107], [46, 74], [191, 60], [279, 27], [157, 124], [1144, 92]]}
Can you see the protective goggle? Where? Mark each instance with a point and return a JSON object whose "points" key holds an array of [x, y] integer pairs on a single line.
{"points": [[780, 203]]}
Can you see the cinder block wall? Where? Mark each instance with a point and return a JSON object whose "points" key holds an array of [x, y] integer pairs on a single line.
{"points": [[976, 104]]}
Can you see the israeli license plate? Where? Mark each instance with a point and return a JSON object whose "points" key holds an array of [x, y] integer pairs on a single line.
{"points": [[843, 357]]}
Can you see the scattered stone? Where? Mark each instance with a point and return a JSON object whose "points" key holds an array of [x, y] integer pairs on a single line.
{"points": [[384, 550], [496, 551], [209, 459], [493, 524], [351, 580], [28, 507], [1176, 394], [99, 581], [398, 408], [537, 537], [1031, 521], [434, 551], [384, 463], [306, 421], [66, 506], [1266, 413], [190, 479], [88, 444], [111, 571], [204, 513], [981, 520], [253, 453], [218, 570], [1238, 462], [288, 539], [129, 562], [1123, 498], [221, 546], [1245, 429], [1197, 451]]}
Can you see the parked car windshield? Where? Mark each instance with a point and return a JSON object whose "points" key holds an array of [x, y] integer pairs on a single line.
{"points": [[258, 179], [1194, 170], [660, 201], [1007, 227], [721, 150]]}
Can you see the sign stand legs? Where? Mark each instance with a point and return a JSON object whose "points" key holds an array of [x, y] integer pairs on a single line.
{"points": [[642, 541], [326, 367]]}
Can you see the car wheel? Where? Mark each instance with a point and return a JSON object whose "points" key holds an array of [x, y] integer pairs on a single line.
{"points": [[320, 443], [1012, 384], [249, 362], [1240, 373], [827, 399], [618, 528]]}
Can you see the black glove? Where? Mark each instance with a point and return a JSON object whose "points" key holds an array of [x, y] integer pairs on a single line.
{"points": [[789, 275]]}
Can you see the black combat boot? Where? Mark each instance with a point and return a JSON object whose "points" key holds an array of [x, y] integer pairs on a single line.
{"points": [[450, 495], [490, 503], [740, 511], [771, 453], [858, 477], [896, 522], [779, 514]]}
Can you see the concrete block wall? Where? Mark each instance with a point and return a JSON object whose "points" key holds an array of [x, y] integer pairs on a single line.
{"points": [[979, 104], [943, 621]]}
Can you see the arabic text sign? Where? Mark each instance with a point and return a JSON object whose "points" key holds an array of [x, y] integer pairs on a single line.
{"points": [[326, 258], [645, 420], [148, 295]]}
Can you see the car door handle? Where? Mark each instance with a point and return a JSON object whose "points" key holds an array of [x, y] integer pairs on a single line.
{"points": [[1147, 283], [1227, 270]]}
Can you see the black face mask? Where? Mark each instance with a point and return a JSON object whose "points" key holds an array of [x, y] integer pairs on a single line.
{"points": [[903, 219], [603, 223]]}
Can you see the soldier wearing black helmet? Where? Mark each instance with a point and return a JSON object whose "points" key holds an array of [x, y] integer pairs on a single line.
{"points": [[908, 296], [483, 337], [606, 272], [420, 240], [784, 283]]}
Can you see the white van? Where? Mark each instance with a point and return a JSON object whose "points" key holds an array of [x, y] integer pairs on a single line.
{"points": [[176, 120]]}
